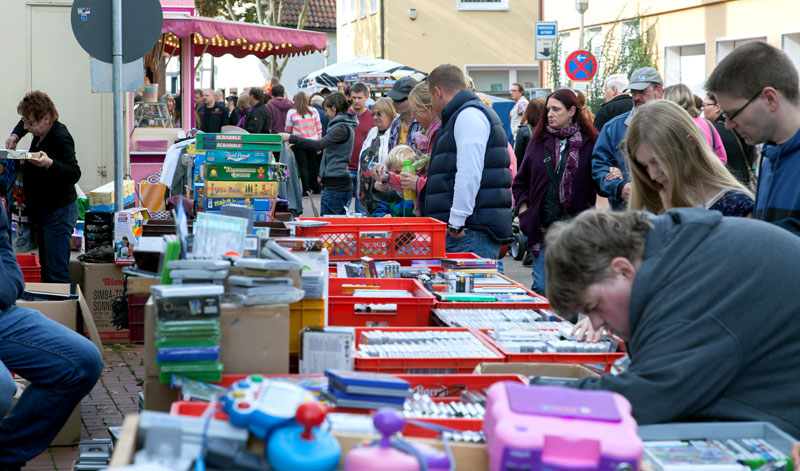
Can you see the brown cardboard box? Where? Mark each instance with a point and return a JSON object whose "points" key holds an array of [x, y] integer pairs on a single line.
{"points": [[294, 275], [254, 339], [75, 315], [140, 285], [536, 369], [101, 282], [467, 456]]}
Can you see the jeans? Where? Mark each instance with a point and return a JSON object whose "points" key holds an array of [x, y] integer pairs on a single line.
{"points": [[477, 242], [358, 207], [537, 272], [332, 203], [54, 231], [62, 367]]}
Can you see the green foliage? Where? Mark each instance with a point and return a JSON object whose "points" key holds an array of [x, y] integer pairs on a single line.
{"points": [[635, 49], [555, 64]]}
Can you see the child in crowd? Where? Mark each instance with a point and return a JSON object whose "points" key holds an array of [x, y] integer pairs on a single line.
{"points": [[390, 196]]}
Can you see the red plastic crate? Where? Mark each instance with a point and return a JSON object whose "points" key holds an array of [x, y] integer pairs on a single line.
{"points": [[409, 365], [31, 269], [412, 312], [418, 383], [403, 238], [543, 304], [606, 359], [136, 317]]}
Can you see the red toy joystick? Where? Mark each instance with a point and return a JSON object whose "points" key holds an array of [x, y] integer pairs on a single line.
{"points": [[309, 415]]}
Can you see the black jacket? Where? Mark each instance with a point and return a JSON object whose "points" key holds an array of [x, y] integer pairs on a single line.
{"points": [[258, 120], [740, 155], [47, 189], [612, 108], [523, 138], [235, 116], [212, 119]]}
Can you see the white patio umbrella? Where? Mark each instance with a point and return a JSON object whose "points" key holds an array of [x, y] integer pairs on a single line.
{"points": [[332, 75]]}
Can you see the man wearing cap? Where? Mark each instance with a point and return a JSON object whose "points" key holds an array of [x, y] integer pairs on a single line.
{"points": [[609, 170], [469, 181], [404, 125]]}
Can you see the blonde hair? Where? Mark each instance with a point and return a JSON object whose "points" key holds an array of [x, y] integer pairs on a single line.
{"points": [[420, 98], [397, 155], [484, 98], [385, 106], [683, 96], [680, 149]]}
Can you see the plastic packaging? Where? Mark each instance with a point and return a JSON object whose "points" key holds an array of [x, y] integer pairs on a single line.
{"points": [[408, 167]]}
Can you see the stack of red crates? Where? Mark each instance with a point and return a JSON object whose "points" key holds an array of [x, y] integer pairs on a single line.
{"points": [[31, 270], [136, 317]]}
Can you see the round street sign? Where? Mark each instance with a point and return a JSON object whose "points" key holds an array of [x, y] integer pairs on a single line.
{"points": [[141, 27], [580, 65]]}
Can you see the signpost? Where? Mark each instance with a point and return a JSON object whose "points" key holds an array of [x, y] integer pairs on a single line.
{"points": [[580, 65], [546, 34]]}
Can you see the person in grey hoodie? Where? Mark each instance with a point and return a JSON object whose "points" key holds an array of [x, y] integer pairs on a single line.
{"points": [[336, 147], [709, 318]]}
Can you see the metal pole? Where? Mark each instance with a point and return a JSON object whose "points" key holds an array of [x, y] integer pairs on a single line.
{"points": [[581, 45], [116, 55]]}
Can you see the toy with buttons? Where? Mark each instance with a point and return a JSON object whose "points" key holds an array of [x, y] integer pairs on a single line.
{"points": [[389, 454], [304, 446]]}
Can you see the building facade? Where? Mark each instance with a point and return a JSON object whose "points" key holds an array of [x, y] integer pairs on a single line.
{"points": [[491, 40], [689, 37]]}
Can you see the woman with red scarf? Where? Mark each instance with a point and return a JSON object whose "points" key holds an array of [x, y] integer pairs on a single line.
{"points": [[554, 181]]}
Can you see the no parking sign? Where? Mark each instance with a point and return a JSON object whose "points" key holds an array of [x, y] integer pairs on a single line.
{"points": [[580, 65]]}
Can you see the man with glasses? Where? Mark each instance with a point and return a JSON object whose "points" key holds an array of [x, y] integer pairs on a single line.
{"points": [[740, 154], [520, 103], [404, 126], [609, 170], [757, 89]]}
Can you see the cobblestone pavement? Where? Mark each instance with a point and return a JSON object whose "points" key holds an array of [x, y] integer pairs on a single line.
{"points": [[115, 395]]}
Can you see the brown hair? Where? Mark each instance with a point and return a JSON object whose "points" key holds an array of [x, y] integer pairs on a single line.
{"points": [[385, 106], [36, 104], [579, 252], [338, 102], [681, 95], [447, 77], [360, 88], [751, 67], [533, 111], [301, 104]]}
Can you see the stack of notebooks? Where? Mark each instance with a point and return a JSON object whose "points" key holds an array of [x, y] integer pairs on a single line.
{"points": [[363, 390], [478, 267], [188, 331], [262, 279], [194, 271]]}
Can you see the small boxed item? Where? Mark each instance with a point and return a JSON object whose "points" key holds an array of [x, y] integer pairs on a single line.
{"points": [[102, 198], [127, 231], [217, 189], [246, 172]]}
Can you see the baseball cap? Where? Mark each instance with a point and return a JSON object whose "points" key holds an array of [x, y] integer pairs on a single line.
{"points": [[401, 88], [643, 77]]}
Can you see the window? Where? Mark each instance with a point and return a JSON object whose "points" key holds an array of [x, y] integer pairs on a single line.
{"points": [[528, 78], [490, 80], [362, 13], [724, 47], [352, 10], [594, 40], [791, 46], [563, 50], [686, 65], [482, 4], [496, 79], [373, 6]]}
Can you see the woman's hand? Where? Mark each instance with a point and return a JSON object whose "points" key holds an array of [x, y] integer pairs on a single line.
{"points": [[11, 142], [43, 161], [381, 187], [584, 332], [614, 174], [408, 181], [379, 173], [284, 136]]}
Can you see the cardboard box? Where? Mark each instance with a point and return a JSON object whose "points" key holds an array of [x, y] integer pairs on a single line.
{"points": [[75, 315], [246, 172], [140, 285], [216, 204], [128, 225], [102, 198], [536, 369], [217, 189], [238, 156], [101, 282], [467, 456], [254, 339]]}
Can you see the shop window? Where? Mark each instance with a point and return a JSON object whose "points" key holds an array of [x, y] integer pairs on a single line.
{"points": [[528, 78], [686, 65], [482, 5], [724, 47], [373, 6], [363, 12], [494, 81]]}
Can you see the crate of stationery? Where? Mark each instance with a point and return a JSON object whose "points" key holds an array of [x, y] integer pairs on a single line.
{"points": [[395, 302]]}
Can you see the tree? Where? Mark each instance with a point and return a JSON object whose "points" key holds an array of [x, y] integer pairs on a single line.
{"points": [[263, 12], [555, 63]]}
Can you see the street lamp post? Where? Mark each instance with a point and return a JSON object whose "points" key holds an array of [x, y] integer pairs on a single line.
{"points": [[581, 6]]}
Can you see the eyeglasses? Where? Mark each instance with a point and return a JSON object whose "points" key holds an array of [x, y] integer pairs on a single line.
{"points": [[736, 113], [707, 104]]}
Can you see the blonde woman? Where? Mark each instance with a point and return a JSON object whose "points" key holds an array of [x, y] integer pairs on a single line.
{"points": [[374, 152], [672, 166], [683, 97]]}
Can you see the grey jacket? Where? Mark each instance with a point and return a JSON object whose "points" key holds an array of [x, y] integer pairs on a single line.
{"points": [[336, 146], [713, 323]]}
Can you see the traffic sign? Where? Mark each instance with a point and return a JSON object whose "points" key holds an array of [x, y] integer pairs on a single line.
{"points": [[580, 65], [546, 33], [141, 27]]}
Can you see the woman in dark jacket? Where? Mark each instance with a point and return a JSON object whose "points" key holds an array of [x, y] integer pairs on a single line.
{"points": [[554, 181], [529, 120]]}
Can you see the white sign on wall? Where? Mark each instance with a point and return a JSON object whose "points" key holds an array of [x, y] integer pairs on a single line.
{"points": [[546, 34]]}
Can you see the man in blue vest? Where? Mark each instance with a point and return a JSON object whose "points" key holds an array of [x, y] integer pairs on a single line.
{"points": [[469, 181]]}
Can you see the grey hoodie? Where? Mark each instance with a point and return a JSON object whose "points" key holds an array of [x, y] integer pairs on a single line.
{"points": [[714, 323]]}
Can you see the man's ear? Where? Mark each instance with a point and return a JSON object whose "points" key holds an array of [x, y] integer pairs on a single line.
{"points": [[772, 97], [621, 266]]}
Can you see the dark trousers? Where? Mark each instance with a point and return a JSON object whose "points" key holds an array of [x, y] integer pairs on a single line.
{"points": [[314, 159], [302, 158], [53, 232]]}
